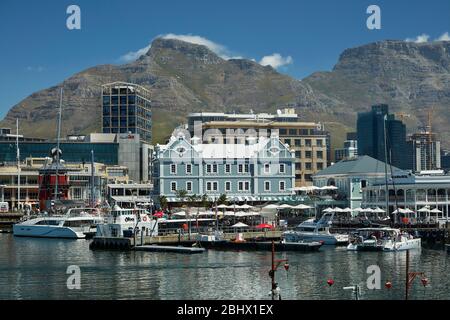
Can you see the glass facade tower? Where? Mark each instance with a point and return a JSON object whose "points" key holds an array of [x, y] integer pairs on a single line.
{"points": [[126, 109], [371, 137]]}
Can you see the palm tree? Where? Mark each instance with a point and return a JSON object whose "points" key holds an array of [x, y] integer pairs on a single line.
{"points": [[163, 202], [222, 199]]}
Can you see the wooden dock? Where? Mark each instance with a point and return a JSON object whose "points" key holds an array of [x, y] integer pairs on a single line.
{"points": [[173, 249]]}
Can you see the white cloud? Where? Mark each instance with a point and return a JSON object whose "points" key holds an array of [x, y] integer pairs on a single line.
{"points": [[444, 37], [35, 69], [276, 60], [133, 55], [419, 39], [221, 50]]}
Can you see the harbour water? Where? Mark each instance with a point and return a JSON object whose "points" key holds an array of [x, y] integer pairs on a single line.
{"points": [[36, 269]]}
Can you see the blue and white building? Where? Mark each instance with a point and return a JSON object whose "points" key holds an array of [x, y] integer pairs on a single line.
{"points": [[260, 170]]}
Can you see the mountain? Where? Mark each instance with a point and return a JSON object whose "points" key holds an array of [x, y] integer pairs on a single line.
{"points": [[412, 78], [184, 77]]}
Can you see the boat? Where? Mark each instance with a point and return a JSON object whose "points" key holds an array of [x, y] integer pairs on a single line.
{"points": [[382, 239], [77, 223], [316, 231], [121, 222]]}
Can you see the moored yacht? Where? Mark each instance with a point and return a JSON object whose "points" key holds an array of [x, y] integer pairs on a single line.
{"points": [[76, 224], [382, 239], [121, 223], [311, 231]]}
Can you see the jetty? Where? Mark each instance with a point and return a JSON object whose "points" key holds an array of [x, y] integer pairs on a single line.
{"points": [[174, 249]]}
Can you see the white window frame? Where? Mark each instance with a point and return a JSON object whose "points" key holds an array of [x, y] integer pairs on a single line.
{"points": [[215, 168], [171, 185], [267, 166], [228, 189], [172, 166], [227, 168], [213, 186], [208, 168], [241, 168], [189, 189], [279, 185], [282, 165], [188, 165], [244, 184], [270, 186]]}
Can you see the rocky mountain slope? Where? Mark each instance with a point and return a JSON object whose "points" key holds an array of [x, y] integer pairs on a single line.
{"points": [[185, 77]]}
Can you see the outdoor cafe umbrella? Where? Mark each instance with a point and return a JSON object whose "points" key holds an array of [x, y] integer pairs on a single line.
{"points": [[328, 210], [239, 225], [437, 211], [222, 206], [245, 206], [158, 214], [284, 206], [271, 206], [264, 226], [302, 207]]}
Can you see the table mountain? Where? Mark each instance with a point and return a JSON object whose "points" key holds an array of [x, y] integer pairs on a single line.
{"points": [[184, 77]]}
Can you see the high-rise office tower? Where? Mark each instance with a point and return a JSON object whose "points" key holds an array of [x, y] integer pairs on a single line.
{"points": [[127, 110], [371, 136]]}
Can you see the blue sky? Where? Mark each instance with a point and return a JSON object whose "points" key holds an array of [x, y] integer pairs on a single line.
{"points": [[38, 50]]}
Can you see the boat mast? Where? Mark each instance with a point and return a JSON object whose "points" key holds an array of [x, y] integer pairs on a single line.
{"points": [[92, 180], [57, 144], [18, 164], [386, 187]]}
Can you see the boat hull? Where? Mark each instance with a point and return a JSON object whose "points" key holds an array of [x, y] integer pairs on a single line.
{"points": [[46, 232], [312, 237], [411, 244]]}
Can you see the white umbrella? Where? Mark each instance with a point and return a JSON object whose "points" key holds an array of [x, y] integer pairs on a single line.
{"points": [[222, 206], [302, 207], [338, 209], [378, 210], [435, 210], [271, 206], [358, 209], [424, 209], [246, 206], [347, 210], [239, 225], [229, 213], [284, 206], [329, 188], [328, 210]]}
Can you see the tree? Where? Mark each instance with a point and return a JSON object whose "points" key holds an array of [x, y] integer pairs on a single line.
{"points": [[163, 202], [181, 194], [204, 200], [222, 199], [193, 199]]}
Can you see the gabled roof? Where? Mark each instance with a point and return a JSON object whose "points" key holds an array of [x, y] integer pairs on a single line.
{"points": [[362, 164]]}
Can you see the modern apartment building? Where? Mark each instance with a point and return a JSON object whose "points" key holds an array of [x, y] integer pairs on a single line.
{"points": [[258, 171], [309, 142], [425, 151], [127, 109]]}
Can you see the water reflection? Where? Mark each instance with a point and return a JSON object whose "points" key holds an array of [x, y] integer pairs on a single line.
{"points": [[36, 269]]}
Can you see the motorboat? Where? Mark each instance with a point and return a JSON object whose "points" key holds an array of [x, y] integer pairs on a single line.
{"points": [[122, 222], [77, 223], [382, 239], [316, 231]]}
